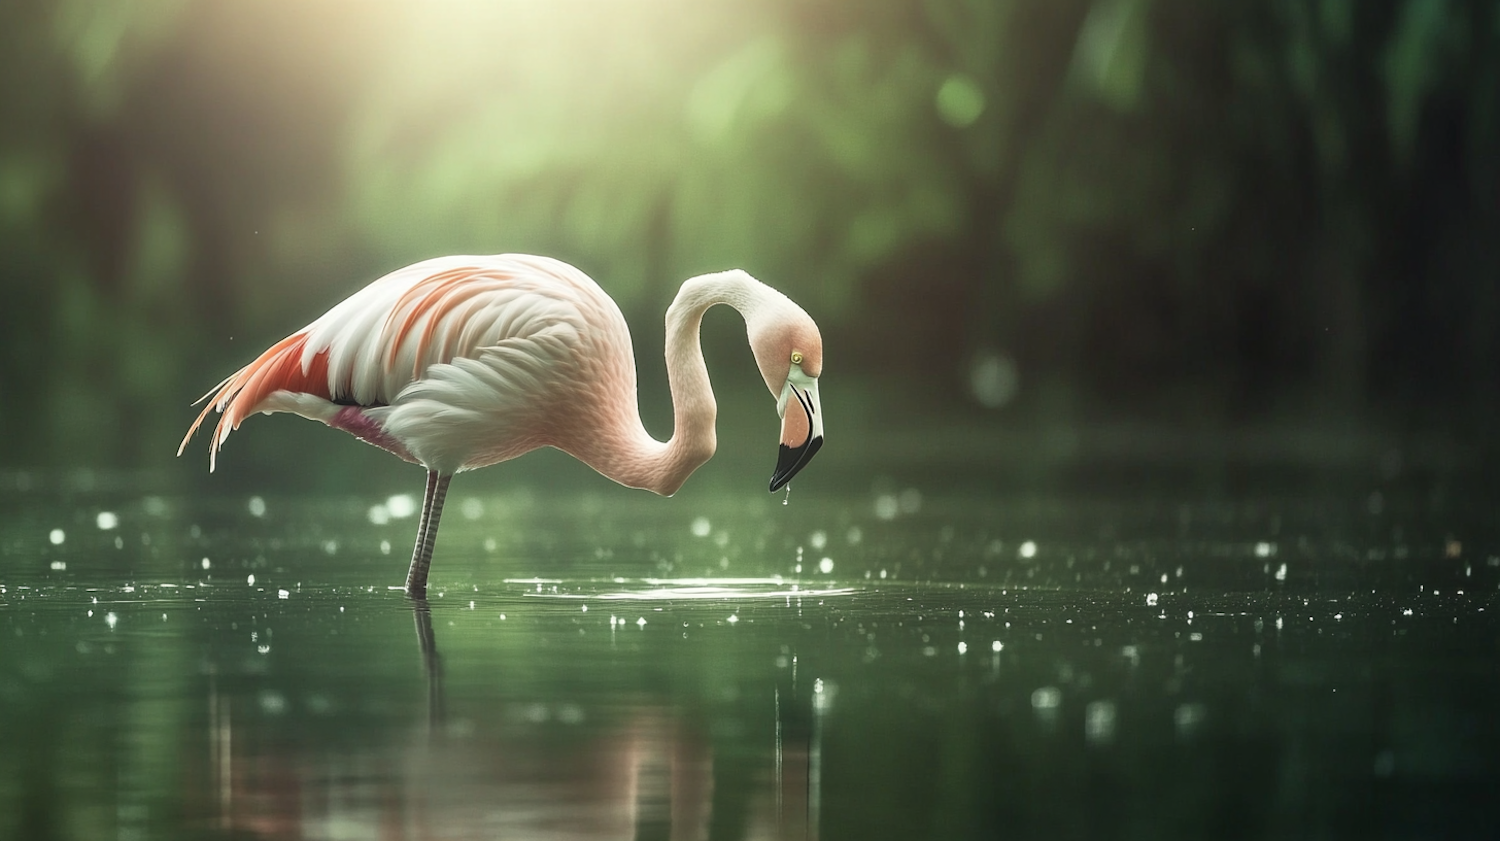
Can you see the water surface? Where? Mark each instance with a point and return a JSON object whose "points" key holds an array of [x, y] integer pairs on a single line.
{"points": [[884, 664]]}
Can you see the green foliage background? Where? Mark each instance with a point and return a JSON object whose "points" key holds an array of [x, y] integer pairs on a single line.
{"points": [[1192, 212]]}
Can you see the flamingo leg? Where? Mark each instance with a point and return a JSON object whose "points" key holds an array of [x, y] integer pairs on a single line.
{"points": [[421, 553], [432, 663]]}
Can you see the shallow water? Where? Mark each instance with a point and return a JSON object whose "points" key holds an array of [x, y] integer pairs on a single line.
{"points": [[877, 665]]}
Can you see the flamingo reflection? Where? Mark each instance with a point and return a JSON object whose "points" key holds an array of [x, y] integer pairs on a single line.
{"points": [[636, 767]]}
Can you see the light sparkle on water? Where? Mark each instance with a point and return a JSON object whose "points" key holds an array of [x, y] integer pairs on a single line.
{"points": [[1046, 698], [1099, 722]]}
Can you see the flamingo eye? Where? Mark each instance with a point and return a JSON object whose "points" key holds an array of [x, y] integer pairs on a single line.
{"points": [[796, 357]]}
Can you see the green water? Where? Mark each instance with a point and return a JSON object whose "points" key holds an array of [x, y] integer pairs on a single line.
{"points": [[890, 663]]}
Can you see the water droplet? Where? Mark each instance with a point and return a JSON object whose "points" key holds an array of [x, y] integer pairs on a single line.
{"points": [[1028, 549], [701, 527], [825, 566], [257, 506], [788, 498], [250, 579], [106, 520], [57, 536]]}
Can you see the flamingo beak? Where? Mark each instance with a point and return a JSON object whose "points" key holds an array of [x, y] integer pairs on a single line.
{"points": [[801, 426]]}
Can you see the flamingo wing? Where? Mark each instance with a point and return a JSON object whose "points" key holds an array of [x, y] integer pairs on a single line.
{"points": [[435, 354]]}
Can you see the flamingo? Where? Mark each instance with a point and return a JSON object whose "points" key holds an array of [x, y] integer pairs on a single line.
{"points": [[457, 363]]}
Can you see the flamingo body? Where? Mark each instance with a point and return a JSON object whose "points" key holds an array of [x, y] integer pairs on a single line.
{"points": [[461, 362]]}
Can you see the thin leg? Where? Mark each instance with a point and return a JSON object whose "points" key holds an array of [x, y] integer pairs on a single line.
{"points": [[421, 553], [432, 663]]}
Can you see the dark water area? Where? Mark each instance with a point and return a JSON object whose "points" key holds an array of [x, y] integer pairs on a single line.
{"points": [[1305, 660]]}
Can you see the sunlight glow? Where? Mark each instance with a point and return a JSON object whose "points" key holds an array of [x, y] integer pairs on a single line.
{"points": [[690, 589]]}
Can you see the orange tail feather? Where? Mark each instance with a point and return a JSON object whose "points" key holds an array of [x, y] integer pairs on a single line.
{"points": [[280, 368]]}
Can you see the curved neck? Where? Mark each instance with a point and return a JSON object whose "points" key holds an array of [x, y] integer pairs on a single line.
{"points": [[630, 455]]}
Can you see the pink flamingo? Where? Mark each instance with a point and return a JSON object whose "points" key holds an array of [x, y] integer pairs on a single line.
{"points": [[457, 363]]}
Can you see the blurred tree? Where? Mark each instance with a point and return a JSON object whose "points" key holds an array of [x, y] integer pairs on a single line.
{"points": [[1200, 210]]}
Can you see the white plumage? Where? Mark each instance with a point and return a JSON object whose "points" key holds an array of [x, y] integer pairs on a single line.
{"points": [[461, 362]]}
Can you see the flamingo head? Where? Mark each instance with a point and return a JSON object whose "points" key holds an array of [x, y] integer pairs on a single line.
{"points": [[789, 351]]}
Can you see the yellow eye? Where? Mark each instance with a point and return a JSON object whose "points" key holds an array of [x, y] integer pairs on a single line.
{"points": [[796, 357]]}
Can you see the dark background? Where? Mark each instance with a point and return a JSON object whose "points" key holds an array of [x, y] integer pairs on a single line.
{"points": [[1009, 216]]}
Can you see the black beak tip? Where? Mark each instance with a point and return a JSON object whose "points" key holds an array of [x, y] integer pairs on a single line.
{"points": [[791, 460]]}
